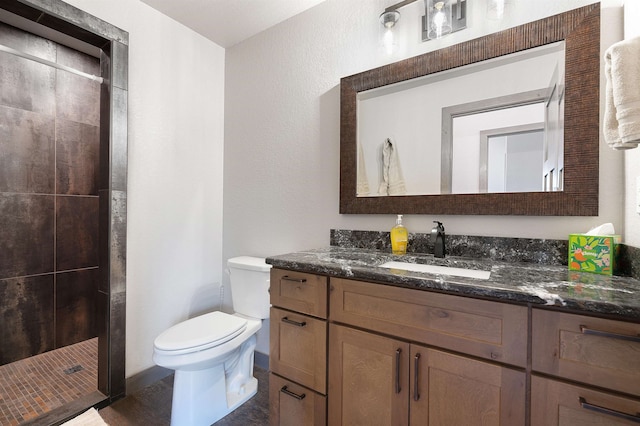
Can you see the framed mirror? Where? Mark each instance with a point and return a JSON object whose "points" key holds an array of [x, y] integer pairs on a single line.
{"points": [[571, 187]]}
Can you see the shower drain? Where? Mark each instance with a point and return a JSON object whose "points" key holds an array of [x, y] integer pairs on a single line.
{"points": [[73, 369]]}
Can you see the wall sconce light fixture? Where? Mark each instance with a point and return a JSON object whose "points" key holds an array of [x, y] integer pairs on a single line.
{"points": [[443, 17], [388, 19]]}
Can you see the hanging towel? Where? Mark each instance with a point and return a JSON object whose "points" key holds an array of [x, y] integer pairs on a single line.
{"points": [[622, 104], [392, 180], [363, 182]]}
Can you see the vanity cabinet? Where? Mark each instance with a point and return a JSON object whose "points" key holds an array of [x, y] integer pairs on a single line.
{"points": [[349, 352], [601, 355], [383, 380], [298, 348]]}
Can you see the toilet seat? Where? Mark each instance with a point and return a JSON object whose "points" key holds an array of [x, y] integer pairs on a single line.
{"points": [[200, 333]]}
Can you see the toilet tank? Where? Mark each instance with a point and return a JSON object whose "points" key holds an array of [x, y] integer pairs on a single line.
{"points": [[249, 277]]}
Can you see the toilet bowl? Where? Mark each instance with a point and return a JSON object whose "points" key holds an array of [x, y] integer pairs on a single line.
{"points": [[213, 354]]}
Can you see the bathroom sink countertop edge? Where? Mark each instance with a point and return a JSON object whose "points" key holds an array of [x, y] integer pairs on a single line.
{"points": [[533, 283]]}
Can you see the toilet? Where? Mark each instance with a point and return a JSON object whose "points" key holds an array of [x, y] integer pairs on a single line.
{"points": [[212, 354]]}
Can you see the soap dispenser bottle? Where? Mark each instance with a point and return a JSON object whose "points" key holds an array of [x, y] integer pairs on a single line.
{"points": [[399, 237]]}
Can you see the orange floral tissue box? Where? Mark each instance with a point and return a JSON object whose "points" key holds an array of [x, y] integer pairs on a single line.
{"points": [[593, 253]]}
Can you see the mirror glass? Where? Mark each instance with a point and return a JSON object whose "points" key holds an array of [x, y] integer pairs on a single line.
{"points": [[471, 129], [427, 135]]}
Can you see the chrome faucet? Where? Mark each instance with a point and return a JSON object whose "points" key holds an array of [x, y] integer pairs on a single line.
{"points": [[438, 238]]}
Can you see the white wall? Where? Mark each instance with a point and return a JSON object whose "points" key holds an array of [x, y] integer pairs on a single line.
{"points": [[174, 214], [282, 128]]}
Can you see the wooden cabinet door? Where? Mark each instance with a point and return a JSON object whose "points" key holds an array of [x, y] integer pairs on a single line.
{"points": [[298, 348], [449, 389], [293, 405], [368, 378], [554, 403]]}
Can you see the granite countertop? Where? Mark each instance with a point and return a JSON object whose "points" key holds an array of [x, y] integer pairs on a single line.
{"points": [[512, 282]]}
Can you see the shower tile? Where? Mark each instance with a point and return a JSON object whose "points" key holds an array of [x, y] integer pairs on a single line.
{"points": [[26, 234], [76, 232], [76, 298], [118, 140], [77, 98], [117, 328], [102, 327], [27, 147], [26, 317], [113, 241], [26, 42], [27, 85], [77, 158], [78, 60]]}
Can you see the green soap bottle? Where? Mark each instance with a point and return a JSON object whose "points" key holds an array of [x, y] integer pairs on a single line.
{"points": [[399, 237]]}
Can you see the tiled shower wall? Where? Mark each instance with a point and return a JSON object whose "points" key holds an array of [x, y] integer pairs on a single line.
{"points": [[49, 164]]}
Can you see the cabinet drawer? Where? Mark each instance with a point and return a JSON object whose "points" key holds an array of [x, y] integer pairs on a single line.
{"points": [[555, 403], [295, 405], [298, 348], [490, 330], [299, 291], [596, 351]]}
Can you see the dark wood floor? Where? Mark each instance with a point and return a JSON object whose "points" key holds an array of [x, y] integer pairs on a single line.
{"points": [[152, 406]]}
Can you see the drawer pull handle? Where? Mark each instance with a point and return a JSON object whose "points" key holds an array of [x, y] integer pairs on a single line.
{"points": [[292, 322], [585, 330], [297, 280], [608, 411], [293, 394], [397, 384], [416, 366]]}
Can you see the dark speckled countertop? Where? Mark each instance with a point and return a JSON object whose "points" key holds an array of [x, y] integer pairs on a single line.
{"points": [[533, 283]]}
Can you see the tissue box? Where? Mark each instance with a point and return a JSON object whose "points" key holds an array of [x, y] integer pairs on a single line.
{"points": [[593, 253]]}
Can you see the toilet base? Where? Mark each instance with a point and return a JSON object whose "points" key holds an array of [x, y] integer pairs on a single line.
{"points": [[196, 397]]}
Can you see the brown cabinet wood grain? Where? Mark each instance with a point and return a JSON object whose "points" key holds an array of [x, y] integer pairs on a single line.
{"points": [[377, 380], [448, 389], [298, 348], [490, 330], [299, 291], [596, 351], [554, 403], [368, 378], [293, 405]]}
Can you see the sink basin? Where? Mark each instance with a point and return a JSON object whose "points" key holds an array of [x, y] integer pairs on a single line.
{"points": [[436, 269]]}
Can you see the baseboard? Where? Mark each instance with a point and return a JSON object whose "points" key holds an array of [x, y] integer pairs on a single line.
{"points": [[261, 360], [146, 377]]}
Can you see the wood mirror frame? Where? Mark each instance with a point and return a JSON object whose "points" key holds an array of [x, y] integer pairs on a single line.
{"points": [[580, 28]]}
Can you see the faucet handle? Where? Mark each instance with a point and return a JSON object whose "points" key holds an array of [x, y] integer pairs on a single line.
{"points": [[437, 230]]}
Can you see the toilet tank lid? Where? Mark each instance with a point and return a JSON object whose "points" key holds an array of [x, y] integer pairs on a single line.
{"points": [[249, 263]]}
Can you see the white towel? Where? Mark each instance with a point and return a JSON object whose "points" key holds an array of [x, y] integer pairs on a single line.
{"points": [[622, 104], [362, 189], [392, 180], [88, 418]]}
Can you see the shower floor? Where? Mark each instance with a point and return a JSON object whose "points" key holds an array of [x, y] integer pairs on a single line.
{"points": [[34, 386]]}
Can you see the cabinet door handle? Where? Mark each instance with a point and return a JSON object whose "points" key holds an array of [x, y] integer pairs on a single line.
{"points": [[295, 395], [397, 384], [586, 330], [416, 367], [297, 280], [584, 404], [292, 322]]}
